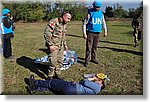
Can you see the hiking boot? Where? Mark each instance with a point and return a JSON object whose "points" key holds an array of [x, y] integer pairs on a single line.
{"points": [[28, 90], [26, 80], [95, 61], [136, 44], [31, 85], [11, 57]]}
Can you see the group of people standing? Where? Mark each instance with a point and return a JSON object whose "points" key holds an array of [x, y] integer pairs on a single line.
{"points": [[55, 42], [55, 37]]}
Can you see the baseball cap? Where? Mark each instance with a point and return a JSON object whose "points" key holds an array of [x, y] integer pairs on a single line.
{"points": [[97, 3], [103, 77], [5, 11]]}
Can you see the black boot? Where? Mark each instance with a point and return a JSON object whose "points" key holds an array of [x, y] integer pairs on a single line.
{"points": [[31, 86], [136, 44]]}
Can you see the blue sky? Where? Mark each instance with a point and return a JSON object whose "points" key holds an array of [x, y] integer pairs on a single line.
{"points": [[126, 4]]}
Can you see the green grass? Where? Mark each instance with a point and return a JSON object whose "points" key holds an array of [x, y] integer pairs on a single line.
{"points": [[118, 58]]}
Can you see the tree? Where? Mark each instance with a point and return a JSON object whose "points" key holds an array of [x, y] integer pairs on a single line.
{"points": [[109, 11], [134, 13], [27, 11], [38, 11], [119, 12], [131, 12]]}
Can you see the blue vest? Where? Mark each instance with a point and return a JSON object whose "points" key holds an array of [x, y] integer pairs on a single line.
{"points": [[95, 21], [3, 29]]}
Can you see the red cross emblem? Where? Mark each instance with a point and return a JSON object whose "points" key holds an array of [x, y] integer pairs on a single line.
{"points": [[52, 24]]}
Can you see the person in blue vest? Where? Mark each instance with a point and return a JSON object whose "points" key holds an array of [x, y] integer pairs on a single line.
{"points": [[6, 31], [90, 85], [92, 27]]}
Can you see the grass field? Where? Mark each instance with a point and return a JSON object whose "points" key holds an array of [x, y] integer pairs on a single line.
{"points": [[122, 62]]}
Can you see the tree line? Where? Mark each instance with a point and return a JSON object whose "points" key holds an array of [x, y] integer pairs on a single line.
{"points": [[118, 12], [37, 11]]}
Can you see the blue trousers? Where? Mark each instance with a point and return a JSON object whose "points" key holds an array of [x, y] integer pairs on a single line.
{"points": [[57, 86]]}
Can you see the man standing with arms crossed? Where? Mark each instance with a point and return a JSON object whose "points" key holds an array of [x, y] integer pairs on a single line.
{"points": [[92, 27], [56, 43]]}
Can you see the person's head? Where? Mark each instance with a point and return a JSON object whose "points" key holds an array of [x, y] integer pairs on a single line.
{"points": [[102, 79], [66, 16], [6, 12], [97, 4]]}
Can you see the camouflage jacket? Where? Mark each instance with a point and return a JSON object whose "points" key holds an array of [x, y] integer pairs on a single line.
{"points": [[137, 24], [55, 33]]}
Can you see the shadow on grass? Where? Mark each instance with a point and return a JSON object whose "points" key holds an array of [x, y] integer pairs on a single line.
{"points": [[28, 63], [129, 32], [116, 43], [119, 25], [81, 60], [123, 50], [74, 35], [44, 50]]}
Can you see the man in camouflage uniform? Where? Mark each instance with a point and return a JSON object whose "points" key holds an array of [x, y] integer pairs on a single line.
{"points": [[56, 43], [137, 25]]}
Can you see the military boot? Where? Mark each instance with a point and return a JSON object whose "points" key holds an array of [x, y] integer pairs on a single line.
{"points": [[136, 44], [31, 88]]}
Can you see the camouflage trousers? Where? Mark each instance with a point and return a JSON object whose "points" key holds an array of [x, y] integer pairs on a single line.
{"points": [[56, 59], [137, 36]]}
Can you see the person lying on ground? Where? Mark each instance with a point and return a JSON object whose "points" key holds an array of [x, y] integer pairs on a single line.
{"points": [[88, 86]]}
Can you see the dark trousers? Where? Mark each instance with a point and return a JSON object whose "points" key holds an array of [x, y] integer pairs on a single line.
{"points": [[137, 35], [91, 46], [7, 50], [57, 86]]}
